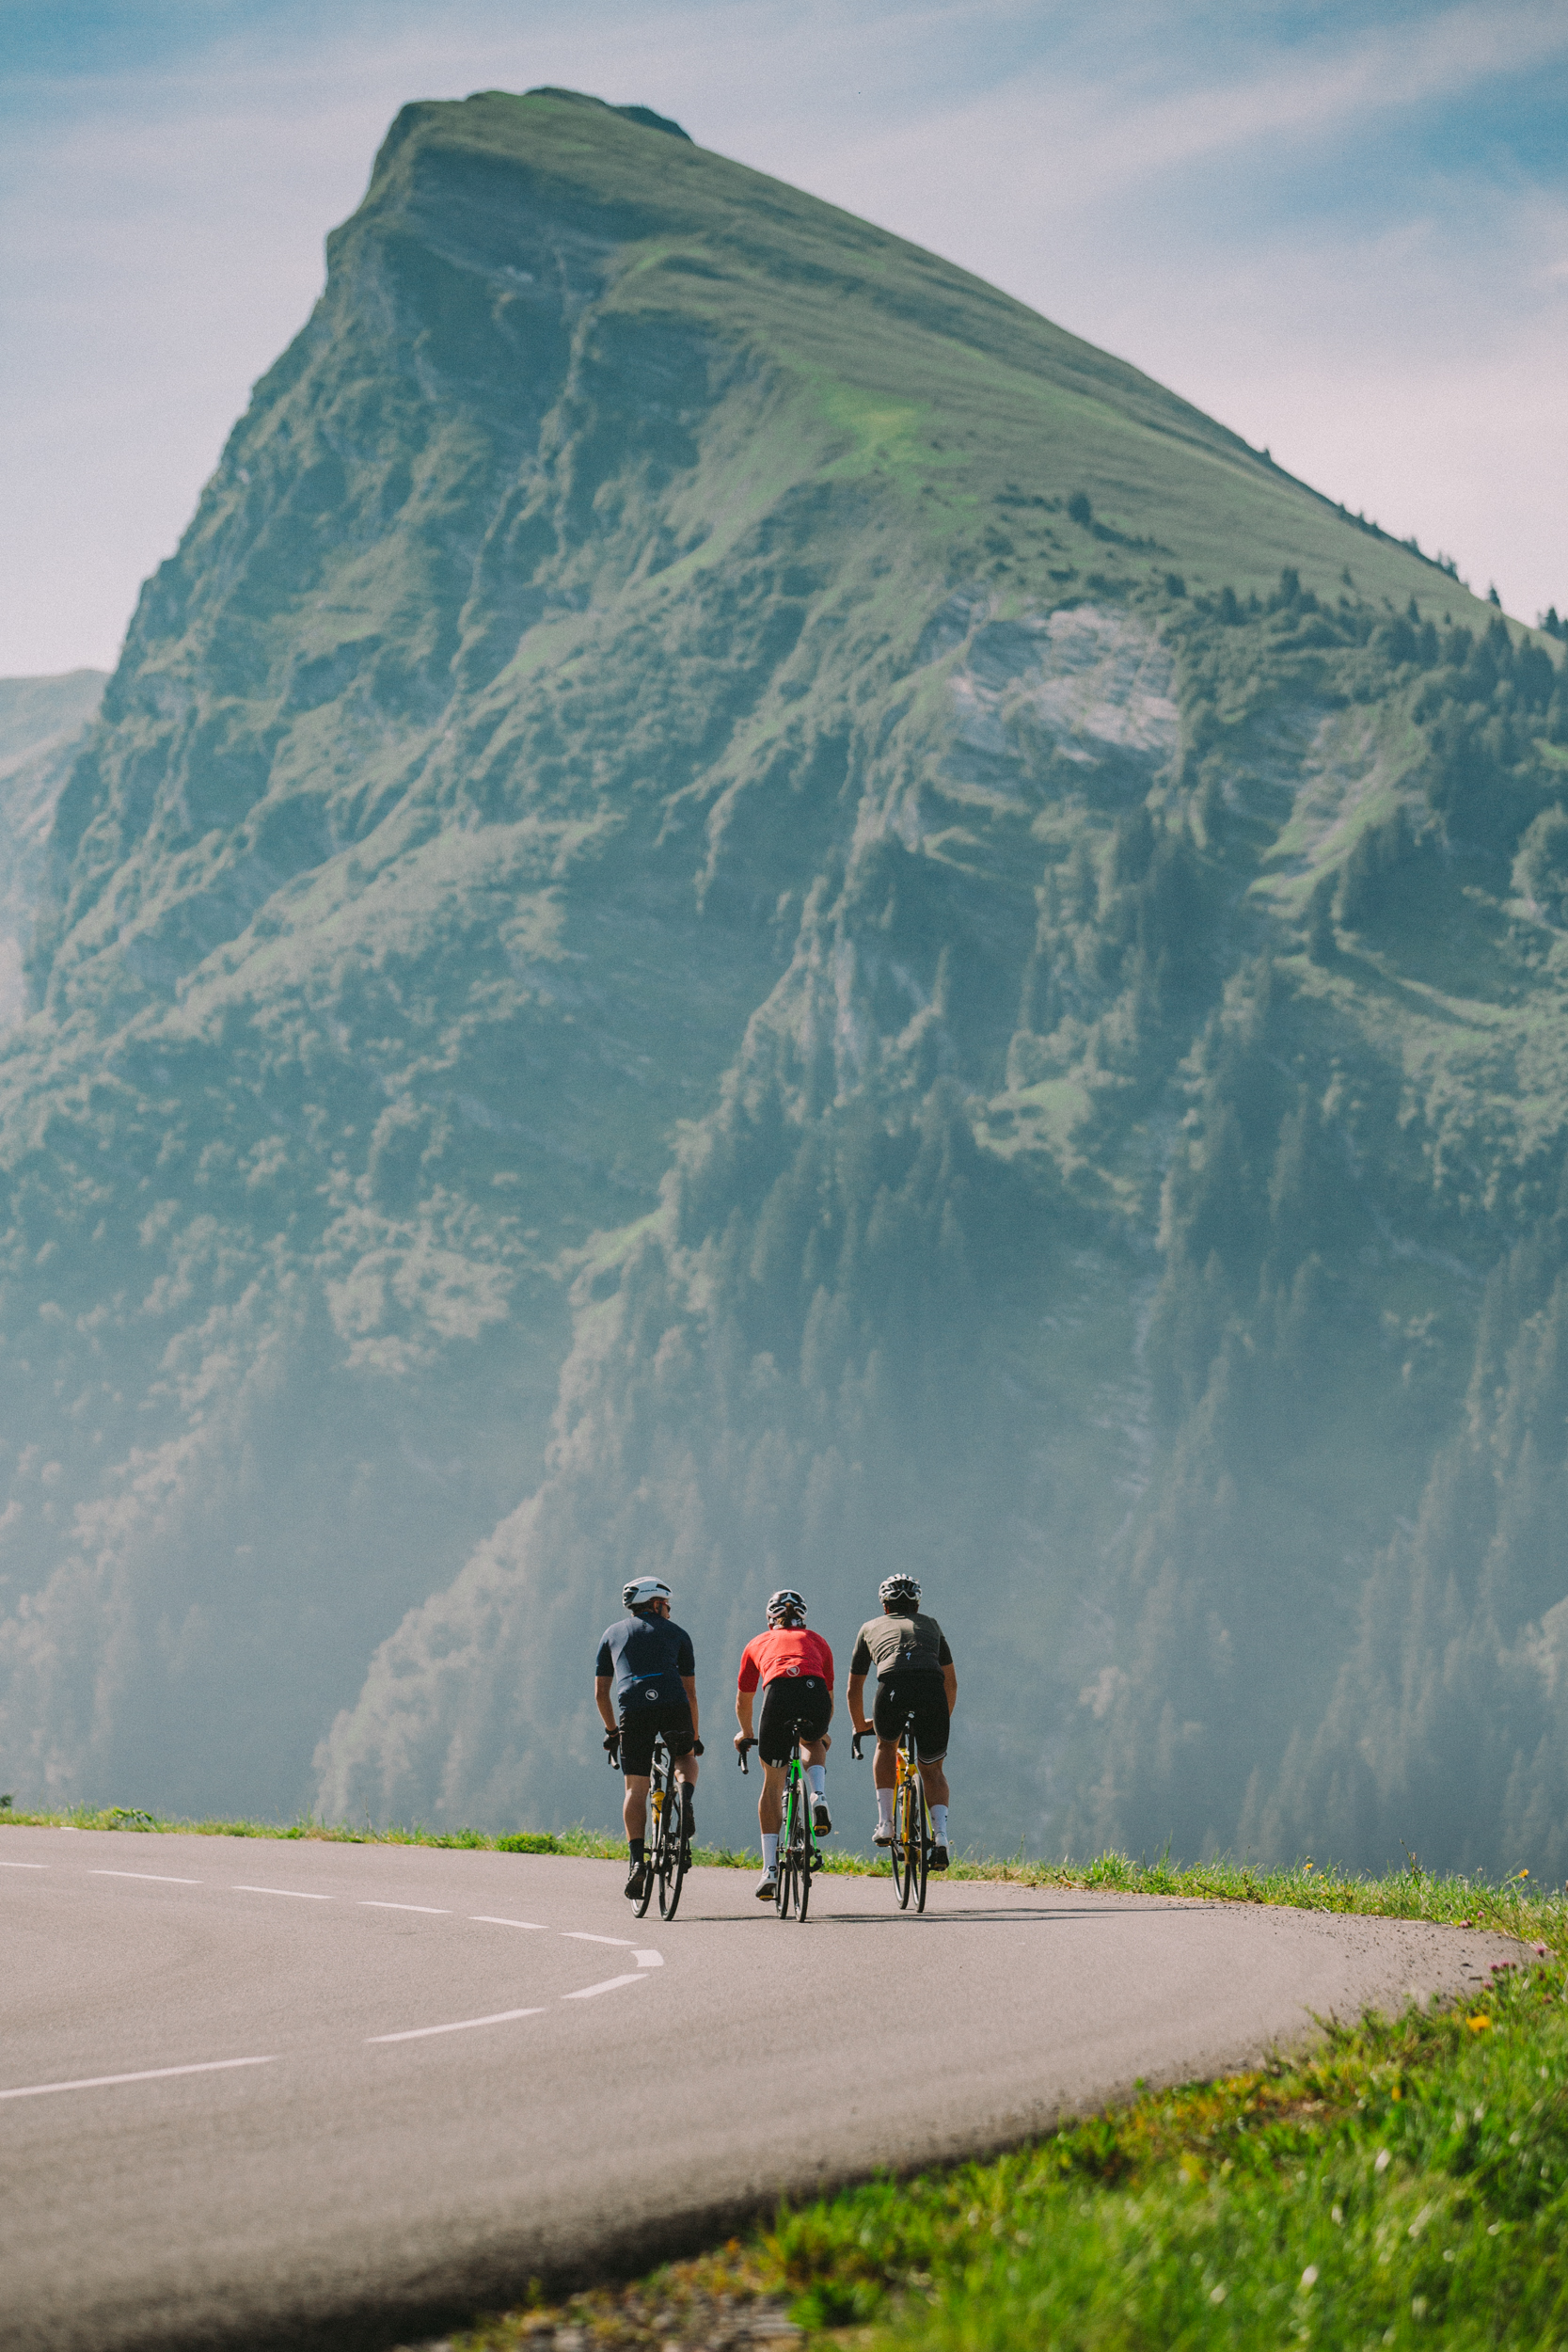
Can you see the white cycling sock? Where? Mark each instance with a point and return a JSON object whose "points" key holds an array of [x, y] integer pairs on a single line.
{"points": [[816, 1779], [885, 1808], [770, 1852], [938, 1822]]}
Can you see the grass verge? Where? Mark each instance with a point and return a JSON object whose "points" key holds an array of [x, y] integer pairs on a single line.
{"points": [[1407, 2183]]}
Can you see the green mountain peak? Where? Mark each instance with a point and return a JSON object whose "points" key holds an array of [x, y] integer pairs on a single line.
{"points": [[740, 909]]}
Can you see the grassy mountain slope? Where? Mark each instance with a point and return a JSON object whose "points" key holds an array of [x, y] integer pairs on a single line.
{"points": [[737, 907]]}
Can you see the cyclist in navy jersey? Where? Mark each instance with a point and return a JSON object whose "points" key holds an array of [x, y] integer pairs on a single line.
{"points": [[644, 1682]]}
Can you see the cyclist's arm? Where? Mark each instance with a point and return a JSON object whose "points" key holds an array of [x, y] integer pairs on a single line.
{"points": [[688, 1684], [601, 1695], [855, 1702], [744, 1702], [950, 1684]]}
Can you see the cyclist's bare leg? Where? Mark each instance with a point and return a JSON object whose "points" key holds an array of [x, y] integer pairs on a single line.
{"points": [[884, 1764], [770, 1802], [634, 1812], [936, 1781]]}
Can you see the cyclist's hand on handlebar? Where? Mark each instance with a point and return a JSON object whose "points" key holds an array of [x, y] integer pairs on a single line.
{"points": [[697, 1748], [612, 1746], [855, 1749]]}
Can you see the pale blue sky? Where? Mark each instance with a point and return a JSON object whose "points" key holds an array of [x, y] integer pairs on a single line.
{"points": [[1341, 228]]}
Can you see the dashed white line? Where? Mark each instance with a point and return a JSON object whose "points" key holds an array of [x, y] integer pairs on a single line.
{"points": [[298, 1895], [483, 1918], [156, 1878], [433, 1910], [148, 2074], [463, 2025], [24, 1866], [609, 1985], [650, 1960], [580, 1936]]}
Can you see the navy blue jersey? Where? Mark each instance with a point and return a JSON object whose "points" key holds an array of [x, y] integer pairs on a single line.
{"points": [[647, 1658]]}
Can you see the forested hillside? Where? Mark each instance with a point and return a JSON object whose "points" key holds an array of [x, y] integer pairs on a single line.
{"points": [[739, 911]]}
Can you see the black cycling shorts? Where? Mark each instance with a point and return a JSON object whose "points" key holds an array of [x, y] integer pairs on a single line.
{"points": [[794, 1707], [638, 1725], [927, 1694]]}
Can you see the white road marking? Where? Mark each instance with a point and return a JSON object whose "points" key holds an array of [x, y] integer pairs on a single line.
{"points": [[580, 1936], [434, 1910], [650, 1960], [463, 2025], [24, 1866], [299, 1896], [149, 2075], [484, 1917], [609, 1985], [157, 1878]]}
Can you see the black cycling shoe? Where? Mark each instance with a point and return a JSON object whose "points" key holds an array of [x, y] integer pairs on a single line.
{"points": [[637, 1881], [939, 1857]]}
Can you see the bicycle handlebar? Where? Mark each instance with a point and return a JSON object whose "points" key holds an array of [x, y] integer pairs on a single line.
{"points": [[742, 1748], [613, 1749]]}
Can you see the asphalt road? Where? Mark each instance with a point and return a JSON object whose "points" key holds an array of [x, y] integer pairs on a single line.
{"points": [[256, 2092]]}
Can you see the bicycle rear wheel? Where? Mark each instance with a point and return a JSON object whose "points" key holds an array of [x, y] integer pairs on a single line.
{"points": [[920, 1860], [782, 1892], [807, 1858], [672, 1876], [904, 1823], [658, 1785]]}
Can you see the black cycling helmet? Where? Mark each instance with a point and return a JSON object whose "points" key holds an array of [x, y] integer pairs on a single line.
{"points": [[785, 1607], [898, 1595], [646, 1589]]}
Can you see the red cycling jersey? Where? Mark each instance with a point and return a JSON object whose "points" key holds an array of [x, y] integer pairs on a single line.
{"points": [[785, 1649]]}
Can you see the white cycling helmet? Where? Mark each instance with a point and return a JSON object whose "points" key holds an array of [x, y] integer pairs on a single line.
{"points": [[787, 1608], [646, 1589]]}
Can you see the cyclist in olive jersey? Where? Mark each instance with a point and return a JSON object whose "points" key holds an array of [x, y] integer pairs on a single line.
{"points": [[914, 1673]]}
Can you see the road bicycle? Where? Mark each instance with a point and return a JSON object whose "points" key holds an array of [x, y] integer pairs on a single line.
{"points": [[911, 1819], [799, 1858], [667, 1853]]}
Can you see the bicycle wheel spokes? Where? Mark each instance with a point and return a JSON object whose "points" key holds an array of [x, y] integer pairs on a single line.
{"points": [[672, 1875], [807, 1859], [786, 1867], [653, 1825], [921, 1858]]}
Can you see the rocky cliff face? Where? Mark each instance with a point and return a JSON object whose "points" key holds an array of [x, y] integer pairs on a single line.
{"points": [[725, 917], [41, 723]]}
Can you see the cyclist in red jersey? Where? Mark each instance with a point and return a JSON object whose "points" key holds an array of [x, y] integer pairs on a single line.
{"points": [[796, 1670]]}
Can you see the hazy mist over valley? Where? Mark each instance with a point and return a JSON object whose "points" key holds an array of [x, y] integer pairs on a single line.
{"points": [[738, 911]]}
